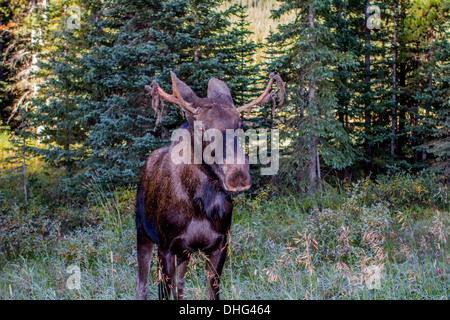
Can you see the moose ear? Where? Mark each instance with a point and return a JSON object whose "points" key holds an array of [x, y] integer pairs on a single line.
{"points": [[186, 93], [219, 89]]}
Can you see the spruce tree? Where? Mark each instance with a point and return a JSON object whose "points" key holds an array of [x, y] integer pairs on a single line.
{"points": [[60, 129], [133, 43], [316, 137], [242, 71], [429, 28]]}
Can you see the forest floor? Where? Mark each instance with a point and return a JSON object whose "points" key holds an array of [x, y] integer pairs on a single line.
{"points": [[385, 238]]}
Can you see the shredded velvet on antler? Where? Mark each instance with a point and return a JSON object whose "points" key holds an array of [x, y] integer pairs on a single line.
{"points": [[156, 102], [267, 95]]}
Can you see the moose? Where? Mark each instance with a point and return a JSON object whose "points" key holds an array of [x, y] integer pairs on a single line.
{"points": [[186, 207]]}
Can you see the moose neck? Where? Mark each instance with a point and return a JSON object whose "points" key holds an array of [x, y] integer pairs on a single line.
{"points": [[204, 188], [211, 199]]}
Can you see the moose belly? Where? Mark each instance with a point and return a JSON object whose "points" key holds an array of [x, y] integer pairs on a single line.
{"points": [[200, 235]]}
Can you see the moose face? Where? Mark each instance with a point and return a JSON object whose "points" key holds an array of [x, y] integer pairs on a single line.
{"points": [[219, 122], [214, 123]]}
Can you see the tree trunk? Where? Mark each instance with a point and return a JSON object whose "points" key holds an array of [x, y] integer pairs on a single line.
{"points": [[312, 165], [367, 112], [394, 83], [302, 93], [430, 88], [24, 171], [401, 98]]}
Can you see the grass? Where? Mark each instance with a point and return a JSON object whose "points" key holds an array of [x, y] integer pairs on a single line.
{"points": [[276, 252], [279, 247]]}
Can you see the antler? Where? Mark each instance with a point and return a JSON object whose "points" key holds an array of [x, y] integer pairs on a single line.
{"points": [[174, 98], [184, 104], [266, 95]]}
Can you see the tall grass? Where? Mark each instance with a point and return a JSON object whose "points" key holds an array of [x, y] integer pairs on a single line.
{"points": [[109, 205], [279, 247]]}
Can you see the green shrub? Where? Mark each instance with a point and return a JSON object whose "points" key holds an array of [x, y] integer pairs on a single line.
{"points": [[27, 229], [425, 189]]}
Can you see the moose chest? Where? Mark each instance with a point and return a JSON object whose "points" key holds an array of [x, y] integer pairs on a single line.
{"points": [[199, 235], [207, 225]]}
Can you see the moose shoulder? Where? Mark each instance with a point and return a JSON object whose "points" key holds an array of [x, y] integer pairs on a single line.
{"points": [[185, 207]]}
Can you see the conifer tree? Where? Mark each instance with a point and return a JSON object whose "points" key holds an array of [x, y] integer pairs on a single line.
{"points": [[316, 136], [101, 119], [135, 42], [60, 129], [242, 71], [428, 26]]}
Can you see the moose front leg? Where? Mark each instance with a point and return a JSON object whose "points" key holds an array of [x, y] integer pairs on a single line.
{"points": [[214, 266], [144, 255], [178, 281], [171, 269]]}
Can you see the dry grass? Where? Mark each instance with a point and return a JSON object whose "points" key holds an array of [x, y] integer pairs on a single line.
{"points": [[385, 240]]}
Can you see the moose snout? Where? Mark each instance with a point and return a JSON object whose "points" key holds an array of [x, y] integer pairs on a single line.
{"points": [[238, 182], [238, 189]]}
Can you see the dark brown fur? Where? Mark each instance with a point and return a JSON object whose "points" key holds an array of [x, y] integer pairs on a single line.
{"points": [[187, 207]]}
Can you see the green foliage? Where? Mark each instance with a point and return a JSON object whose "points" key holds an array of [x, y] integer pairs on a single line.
{"points": [[112, 205], [404, 190], [18, 49], [26, 229], [307, 65], [98, 123], [322, 253]]}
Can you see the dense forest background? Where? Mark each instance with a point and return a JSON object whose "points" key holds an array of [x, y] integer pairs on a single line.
{"points": [[368, 87], [364, 142]]}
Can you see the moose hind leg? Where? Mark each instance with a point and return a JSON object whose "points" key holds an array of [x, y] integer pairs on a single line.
{"points": [[144, 256]]}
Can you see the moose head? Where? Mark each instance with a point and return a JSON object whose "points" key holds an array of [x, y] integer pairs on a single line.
{"points": [[214, 117]]}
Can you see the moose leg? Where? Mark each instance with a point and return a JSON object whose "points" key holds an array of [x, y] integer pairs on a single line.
{"points": [[144, 255], [178, 281], [214, 266], [165, 270], [172, 270]]}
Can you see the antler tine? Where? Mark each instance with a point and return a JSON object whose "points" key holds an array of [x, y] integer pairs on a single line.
{"points": [[156, 88], [264, 97], [174, 98], [184, 104]]}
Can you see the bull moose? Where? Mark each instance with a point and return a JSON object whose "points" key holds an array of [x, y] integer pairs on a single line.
{"points": [[186, 207]]}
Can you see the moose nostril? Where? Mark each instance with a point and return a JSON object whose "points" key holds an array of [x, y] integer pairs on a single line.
{"points": [[238, 189], [244, 188], [237, 181]]}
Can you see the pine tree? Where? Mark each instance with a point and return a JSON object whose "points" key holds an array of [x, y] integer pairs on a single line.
{"points": [[213, 46], [429, 27], [242, 71], [61, 132], [439, 144], [316, 136], [102, 100], [121, 127]]}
